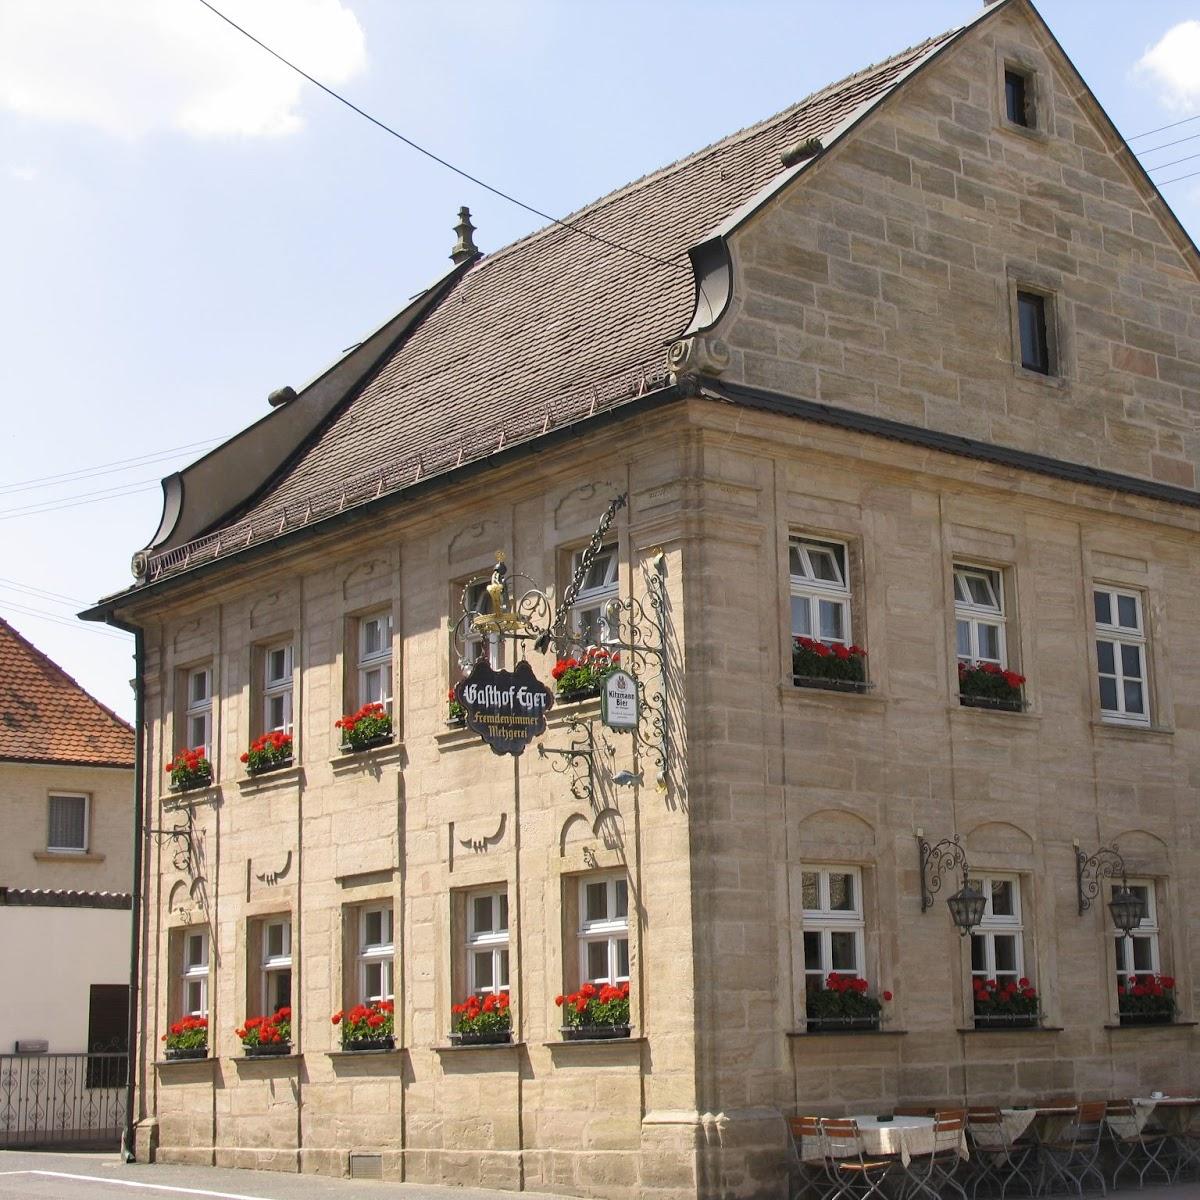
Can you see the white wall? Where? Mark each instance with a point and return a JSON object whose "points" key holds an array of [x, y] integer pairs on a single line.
{"points": [[51, 958]]}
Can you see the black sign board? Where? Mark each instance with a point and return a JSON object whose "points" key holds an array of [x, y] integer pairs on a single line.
{"points": [[506, 708]]}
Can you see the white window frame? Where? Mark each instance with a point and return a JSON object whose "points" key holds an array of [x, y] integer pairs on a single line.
{"points": [[826, 921], [87, 812], [1119, 636], [199, 709], [992, 926], [478, 645], [193, 974], [370, 661], [588, 611], [816, 591], [277, 688], [1148, 929], [275, 964], [612, 929], [376, 954], [494, 941], [973, 615]]}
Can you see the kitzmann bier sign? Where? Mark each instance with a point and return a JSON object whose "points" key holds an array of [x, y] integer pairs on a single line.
{"points": [[506, 708]]}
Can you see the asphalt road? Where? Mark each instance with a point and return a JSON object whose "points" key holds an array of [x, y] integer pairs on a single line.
{"points": [[46, 1176]]}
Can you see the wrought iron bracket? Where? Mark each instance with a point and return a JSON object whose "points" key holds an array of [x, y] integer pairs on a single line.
{"points": [[935, 861], [578, 759], [1106, 863], [183, 836]]}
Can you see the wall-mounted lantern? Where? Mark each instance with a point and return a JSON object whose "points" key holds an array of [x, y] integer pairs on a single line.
{"points": [[1126, 906], [968, 904]]}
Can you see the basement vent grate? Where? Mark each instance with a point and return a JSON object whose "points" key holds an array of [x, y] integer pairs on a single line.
{"points": [[366, 1166]]}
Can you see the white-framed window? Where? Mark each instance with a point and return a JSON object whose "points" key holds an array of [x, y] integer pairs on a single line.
{"points": [[478, 645], [277, 688], [376, 953], [194, 973], [67, 831], [375, 659], [998, 943], [597, 588], [487, 942], [198, 713], [276, 963], [1138, 953], [604, 929], [979, 615], [832, 904], [820, 590], [1121, 656]]}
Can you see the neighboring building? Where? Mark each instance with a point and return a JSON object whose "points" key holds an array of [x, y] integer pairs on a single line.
{"points": [[66, 858], [934, 391]]}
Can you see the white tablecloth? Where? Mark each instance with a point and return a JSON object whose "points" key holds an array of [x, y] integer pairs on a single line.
{"points": [[904, 1136], [1016, 1121], [1173, 1113]]}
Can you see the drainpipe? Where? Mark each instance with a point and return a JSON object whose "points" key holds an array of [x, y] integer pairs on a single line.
{"points": [[139, 772]]}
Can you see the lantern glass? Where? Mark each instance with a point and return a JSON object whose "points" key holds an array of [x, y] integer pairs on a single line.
{"points": [[1127, 909], [967, 907]]}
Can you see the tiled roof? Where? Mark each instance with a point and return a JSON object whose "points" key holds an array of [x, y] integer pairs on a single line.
{"points": [[541, 333], [62, 898], [45, 716]]}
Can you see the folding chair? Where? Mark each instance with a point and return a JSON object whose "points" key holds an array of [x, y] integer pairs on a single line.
{"points": [[852, 1173], [812, 1175], [1076, 1158], [931, 1174], [1134, 1147], [999, 1162]]}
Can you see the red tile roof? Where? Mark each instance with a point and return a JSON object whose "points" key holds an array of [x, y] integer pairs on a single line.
{"points": [[45, 716]]}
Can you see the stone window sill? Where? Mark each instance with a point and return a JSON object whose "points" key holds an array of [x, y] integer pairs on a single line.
{"points": [[455, 737], [564, 711], [1153, 1026], [365, 760], [269, 781], [182, 801], [845, 1033], [452, 1049], [364, 1053], [257, 1060], [1129, 731], [796, 696], [624, 1041], [67, 856], [974, 712], [1014, 1029], [171, 1064]]}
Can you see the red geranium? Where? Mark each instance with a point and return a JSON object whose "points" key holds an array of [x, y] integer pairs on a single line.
{"points": [[607, 1005]]}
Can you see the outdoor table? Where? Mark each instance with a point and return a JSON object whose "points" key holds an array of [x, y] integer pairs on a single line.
{"points": [[1173, 1113], [1051, 1122], [1016, 1122], [903, 1136]]}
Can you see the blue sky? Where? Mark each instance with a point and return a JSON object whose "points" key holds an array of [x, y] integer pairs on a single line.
{"points": [[187, 227]]}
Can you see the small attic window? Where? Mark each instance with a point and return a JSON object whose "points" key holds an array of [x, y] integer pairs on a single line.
{"points": [[1018, 98]]}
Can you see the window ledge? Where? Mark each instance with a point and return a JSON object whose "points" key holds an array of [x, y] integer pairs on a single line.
{"points": [[182, 801], [816, 695], [170, 1064], [366, 760], [1154, 1025], [1130, 729], [1057, 382], [455, 737], [66, 856], [1013, 1029], [257, 1060], [842, 1033], [617, 1042], [1034, 133], [473, 1046], [269, 781], [364, 1053], [976, 712], [564, 711]]}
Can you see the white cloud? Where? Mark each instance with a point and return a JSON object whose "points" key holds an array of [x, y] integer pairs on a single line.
{"points": [[1171, 65], [23, 174], [134, 67]]}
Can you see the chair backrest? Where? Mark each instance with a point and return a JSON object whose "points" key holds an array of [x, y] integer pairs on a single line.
{"points": [[984, 1114], [986, 1125], [948, 1131], [841, 1138], [1089, 1120], [951, 1114], [806, 1133], [1121, 1117]]}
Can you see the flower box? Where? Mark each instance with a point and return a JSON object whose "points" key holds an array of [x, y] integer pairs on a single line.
{"points": [[842, 1005], [594, 1033], [482, 1037], [988, 685], [1011, 1005], [1017, 705], [1146, 1018], [831, 685], [267, 1049], [456, 715], [834, 666], [179, 1053], [187, 1038], [1147, 1000], [582, 678], [190, 770], [365, 729], [263, 1036], [861, 1024], [1008, 1020], [577, 695], [269, 752], [368, 1043]]}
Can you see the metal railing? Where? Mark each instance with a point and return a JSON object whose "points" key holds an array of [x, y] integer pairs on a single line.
{"points": [[62, 1099]]}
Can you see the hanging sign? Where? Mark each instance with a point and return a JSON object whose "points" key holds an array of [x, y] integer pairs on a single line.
{"points": [[506, 708], [619, 700]]}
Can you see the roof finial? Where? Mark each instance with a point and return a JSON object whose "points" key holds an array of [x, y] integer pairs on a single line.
{"points": [[465, 247]]}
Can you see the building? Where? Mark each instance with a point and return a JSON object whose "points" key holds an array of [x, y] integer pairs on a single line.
{"points": [[931, 391], [66, 859]]}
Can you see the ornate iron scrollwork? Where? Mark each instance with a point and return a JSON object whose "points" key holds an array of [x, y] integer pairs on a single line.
{"points": [[578, 760], [936, 860]]}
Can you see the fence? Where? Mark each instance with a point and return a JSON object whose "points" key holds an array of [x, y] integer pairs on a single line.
{"points": [[73, 1100]]}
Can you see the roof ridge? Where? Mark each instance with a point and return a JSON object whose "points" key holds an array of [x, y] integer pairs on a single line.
{"points": [[44, 658], [730, 139]]}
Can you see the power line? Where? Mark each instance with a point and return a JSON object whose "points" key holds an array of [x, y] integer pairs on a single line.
{"points": [[1177, 179], [115, 493], [11, 585], [39, 614], [1166, 145], [1174, 162], [537, 212], [1133, 137]]}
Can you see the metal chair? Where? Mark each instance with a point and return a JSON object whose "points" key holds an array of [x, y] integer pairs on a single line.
{"points": [[997, 1159], [1075, 1158], [811, 1173], [931, 1174], [852, 1172], [1135, 1149]]}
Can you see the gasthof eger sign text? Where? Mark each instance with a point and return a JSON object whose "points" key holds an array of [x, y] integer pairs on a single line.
{"points": [[506, 708]]}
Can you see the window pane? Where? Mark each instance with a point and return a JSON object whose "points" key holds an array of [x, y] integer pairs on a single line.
{"points": [[373, 978], [1143, 958], [601, 572], [1106, 657], [841, 892], [194, 993], [1103, 608], [961, 595], [275, 941], [199, 687], [481, 907], [1014, 98], [1006, 953], [596, 902], [622, 956], [195, 950], [989, 642], [962, 633], [832, 621], [1031, 314], [621, 908], [978, 953], [796, 562], [277, 665], [1127, 612], [1108, 694], [842, 952], [502, 957], [981, 591], [198, 730], [373, 928], [1002, 898], [503, 911], [812, 951], [597, 960], [824, 566], [276, 712], [483, 970], [810, 890], [372, 636], [1135, 701], [1131, 661], [801, 616], [67, 823]]}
